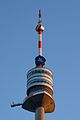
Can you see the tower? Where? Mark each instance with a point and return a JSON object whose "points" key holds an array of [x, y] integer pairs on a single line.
{"points": [[39, 83], [39, 97]]}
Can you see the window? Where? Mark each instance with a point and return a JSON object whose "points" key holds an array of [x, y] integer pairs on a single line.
{"points": [[39, 71], [38, 81]]}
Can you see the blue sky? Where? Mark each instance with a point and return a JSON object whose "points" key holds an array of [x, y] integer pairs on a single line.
{"points": [[18, 49]]}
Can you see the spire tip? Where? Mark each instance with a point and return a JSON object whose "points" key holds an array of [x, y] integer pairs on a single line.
{"points": [[40, 13]]}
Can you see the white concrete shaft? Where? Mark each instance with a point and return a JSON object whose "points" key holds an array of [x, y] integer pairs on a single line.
{"points": [[39, 113]]}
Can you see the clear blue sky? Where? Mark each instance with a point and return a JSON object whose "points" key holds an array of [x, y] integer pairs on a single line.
{"points": [[61, 47]]}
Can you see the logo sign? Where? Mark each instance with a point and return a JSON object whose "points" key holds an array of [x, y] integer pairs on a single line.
{"points": [[40, 60]]}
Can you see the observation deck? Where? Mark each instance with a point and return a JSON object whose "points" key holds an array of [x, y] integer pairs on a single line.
{"points": [[39, 90], [39, 79]]}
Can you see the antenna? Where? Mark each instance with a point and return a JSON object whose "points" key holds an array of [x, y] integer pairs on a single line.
{"points": [[40, 29]]}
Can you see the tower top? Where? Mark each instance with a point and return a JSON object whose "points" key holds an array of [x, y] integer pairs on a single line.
{"points": [[39, 92]]}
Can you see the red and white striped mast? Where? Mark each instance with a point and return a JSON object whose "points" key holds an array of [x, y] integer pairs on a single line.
{"points": [[40, 29]]}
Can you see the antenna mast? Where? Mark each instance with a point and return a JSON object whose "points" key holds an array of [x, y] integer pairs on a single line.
{"points": [[40, 29]]}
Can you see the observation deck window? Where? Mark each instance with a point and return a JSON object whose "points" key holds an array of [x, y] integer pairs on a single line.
{"points": [[38, 81], [39, 71]]}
